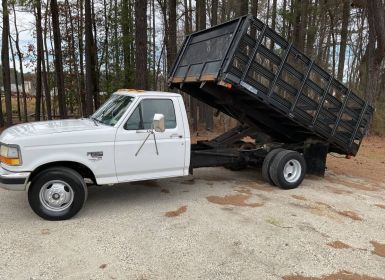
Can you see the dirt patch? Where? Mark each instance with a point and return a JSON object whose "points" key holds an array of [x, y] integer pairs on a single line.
{"points": [[164, 191], [337, 190], [258, 187], [235, 200], [341, 275], [299, 197], [177, 212], [244, 191], [338, 245], [379, 249], [323, 209], [318, 210], [380, 205], [350, 214], [364, 186]]}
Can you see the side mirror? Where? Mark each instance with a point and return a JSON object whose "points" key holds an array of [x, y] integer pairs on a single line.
{"points": [[158, 123]]}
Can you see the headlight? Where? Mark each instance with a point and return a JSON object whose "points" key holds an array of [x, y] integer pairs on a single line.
{"points": [[10, 154]]}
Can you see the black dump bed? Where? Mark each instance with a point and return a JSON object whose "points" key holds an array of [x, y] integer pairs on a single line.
{"points": [[248, 71]]}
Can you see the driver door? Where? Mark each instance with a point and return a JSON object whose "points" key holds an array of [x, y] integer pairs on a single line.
{"points": [[134, 163]]}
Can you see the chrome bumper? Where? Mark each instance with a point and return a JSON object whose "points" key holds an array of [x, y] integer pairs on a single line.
{"points": [[14, 181]]}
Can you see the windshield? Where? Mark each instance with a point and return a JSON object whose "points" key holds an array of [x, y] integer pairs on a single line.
{"points": [[114, 108]]}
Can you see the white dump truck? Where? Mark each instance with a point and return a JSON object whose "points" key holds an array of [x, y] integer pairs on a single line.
{"points": [[292, 112]]}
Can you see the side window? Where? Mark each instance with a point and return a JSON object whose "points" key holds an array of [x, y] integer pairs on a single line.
{"points": [[143, 115], [150, 107], [134, 122]]}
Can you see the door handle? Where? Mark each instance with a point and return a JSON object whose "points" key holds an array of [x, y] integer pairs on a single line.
{"points": [[176, 136]]}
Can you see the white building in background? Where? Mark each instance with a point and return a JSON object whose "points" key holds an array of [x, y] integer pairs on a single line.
{"points": [[29, 89]]}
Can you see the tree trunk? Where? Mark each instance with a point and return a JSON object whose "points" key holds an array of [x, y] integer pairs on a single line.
{"points": [[106, 47], [141, 43], [254, 7], [116, 43], [254, 12], [20, 57], [344, 37], [284, 18], [39, 60], [58, 60], [296, 6], [153, 45], [376, 47], [126, 38], [273, 20], [94, 51], [73, 56], [243, 7], [187, 17], [67, 57], [90, 59], [6, 69], [16, 79], [46, 68], [194, 103], [214, 12], [334, 42], [81, 63], [171, 46]]}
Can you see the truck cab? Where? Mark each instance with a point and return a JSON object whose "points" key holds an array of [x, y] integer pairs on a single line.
{"points": [[135, 135]]}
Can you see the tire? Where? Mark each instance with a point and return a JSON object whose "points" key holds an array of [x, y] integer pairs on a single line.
{"points": [[57, 193], [288, 169], [266, 165]]}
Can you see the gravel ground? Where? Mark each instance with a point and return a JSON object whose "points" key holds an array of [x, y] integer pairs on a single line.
{"points": [[219, 225]]}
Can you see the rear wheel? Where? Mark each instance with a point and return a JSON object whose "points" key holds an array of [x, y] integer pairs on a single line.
{"points": [[266, 165], [288, 169], [57, 193]]}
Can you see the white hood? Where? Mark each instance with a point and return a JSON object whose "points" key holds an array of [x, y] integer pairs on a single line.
{"points": [[50, 128]]}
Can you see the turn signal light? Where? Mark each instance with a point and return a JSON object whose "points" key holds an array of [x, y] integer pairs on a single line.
{"points": [[10, 161]]}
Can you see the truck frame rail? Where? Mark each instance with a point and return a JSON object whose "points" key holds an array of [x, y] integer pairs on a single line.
{"points": [[248, 71]]}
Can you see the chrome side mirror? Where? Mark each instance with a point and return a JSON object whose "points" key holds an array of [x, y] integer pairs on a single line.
{"points": [[158, 123]]}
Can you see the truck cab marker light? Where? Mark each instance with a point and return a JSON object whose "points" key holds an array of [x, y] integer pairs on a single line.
{"points": [[224, 84]]}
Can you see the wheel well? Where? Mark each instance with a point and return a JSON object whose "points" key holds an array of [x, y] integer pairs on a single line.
{"points": [[83, 170]]}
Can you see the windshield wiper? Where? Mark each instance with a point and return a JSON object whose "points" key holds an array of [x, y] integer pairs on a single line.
{"points": [[95, 120]]}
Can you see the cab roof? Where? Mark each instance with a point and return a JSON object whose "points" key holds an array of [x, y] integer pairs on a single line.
{"points": [[133, 92]]}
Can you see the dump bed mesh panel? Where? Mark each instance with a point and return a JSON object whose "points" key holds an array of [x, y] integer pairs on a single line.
{"points": [[202, 59]]}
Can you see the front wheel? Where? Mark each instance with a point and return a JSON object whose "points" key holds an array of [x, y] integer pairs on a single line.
{"points": [[57, 193]]}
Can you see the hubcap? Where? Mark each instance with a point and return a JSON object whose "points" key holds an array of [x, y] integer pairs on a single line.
{"points": [[292, 171], [56, 195]]}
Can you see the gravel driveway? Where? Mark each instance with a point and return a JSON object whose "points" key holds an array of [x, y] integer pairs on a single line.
{"points": [[219, 225]]}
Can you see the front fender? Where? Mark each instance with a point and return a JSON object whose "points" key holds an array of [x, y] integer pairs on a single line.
{"points": [[98, 157]]}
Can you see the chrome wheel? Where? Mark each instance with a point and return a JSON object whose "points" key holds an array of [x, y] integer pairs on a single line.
{"points": [[292, 171], [56, 195]]}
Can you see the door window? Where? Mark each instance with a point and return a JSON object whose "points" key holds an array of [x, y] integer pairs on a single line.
{"points": [[143, 115]]}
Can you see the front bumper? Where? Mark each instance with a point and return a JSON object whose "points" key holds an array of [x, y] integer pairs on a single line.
{"points": [[14, 181]]}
